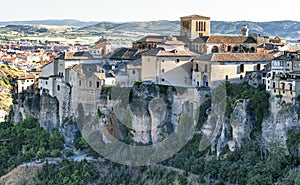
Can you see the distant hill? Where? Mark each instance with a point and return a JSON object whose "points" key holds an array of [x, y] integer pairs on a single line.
{"points": [[286, 29], [158, 27], [64, 22]]}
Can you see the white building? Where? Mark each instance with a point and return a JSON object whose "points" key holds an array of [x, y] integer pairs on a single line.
{"points": [[56, 69], [168, 67], [25, 83], [231, 67]]}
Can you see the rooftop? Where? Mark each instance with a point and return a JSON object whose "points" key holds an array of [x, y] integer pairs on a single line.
{"points": [[195, 17], [87, 70], [225, 39], [236, 57], [174, 53]]}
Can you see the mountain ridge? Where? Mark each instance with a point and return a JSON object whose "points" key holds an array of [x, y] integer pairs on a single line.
{"points": [[287, 29]]}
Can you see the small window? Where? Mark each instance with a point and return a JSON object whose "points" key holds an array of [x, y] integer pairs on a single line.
{"points": [[163, 70], [242, 68], [177, 61], [226, 77], [98, 84], [258, 67], [58, 88], [241, 77], [46, 82], [163, 80], [133, 72], [79, 82], [90, 83], [291, 87]]}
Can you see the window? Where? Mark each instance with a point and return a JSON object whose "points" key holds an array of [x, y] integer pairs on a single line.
{"points": [[177, 61], [58, 88], [274, 85], [226, 77], [258, 67], [133, 72], [291, 87], [163, 80], [238, 69], [163, 70], [242, 68], [215, 49], [79, 82], [46, 82], [98, 84], [228, 48], [90, 83], [241, 77]]}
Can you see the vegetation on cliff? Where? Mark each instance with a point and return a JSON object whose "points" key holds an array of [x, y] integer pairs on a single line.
{"points": [[26, 141]]}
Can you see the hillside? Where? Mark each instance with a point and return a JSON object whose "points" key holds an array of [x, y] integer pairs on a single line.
{"points": [[286, 29], [5, 89], [63, 22]]}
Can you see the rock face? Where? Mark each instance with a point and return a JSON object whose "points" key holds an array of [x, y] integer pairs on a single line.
{"points": [[220, 131], [283, 117], [241, 122], [153, 111]]}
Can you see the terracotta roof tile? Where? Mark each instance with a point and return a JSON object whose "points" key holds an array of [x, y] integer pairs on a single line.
{"points": [[195, 17], [162, 52], [236, 57], [225, 39]]}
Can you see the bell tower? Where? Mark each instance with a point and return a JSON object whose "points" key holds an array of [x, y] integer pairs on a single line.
{"points": [[194, 26]]}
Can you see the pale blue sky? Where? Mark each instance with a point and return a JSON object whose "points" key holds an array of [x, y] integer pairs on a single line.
{"points": [[141, 10]]}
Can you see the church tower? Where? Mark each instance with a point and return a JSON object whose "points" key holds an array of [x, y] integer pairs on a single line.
{"points": [[194, 26]]}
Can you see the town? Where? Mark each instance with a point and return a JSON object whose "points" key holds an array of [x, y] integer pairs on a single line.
{"points": [[160, 86], [195, 58]]}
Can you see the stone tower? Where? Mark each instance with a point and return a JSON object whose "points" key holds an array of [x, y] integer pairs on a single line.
{"points": [[194, 26], [245, 31]]}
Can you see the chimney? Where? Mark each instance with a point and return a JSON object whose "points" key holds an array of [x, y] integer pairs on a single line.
{"points": [[245, 31]]}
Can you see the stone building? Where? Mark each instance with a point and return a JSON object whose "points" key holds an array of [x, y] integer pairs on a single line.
{"points": [[194, 26], [26, 83], [283, 80], [101, 48], [195, 34], [231, 67], [55, 70], [167, 67]]}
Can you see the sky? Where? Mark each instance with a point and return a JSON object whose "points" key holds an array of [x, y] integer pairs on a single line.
{"points": [[150, 10]]}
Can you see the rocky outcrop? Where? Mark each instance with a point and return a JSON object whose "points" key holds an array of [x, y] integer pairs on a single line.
{"points": [[220, 131], [282, 118], [241, 122]]}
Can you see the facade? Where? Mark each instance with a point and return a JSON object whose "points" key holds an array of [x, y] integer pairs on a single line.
{"points": [[167, 67], [101, 48], [231, 67], [283, 80], [25, 83], [194, 26], [56, 70]]}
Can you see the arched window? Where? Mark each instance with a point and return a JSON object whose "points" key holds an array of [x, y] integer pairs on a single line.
{"points": [[215, 49]]}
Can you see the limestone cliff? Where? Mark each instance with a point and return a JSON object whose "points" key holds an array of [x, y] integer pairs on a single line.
{"points": [[283, 118], [220, 131]]}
